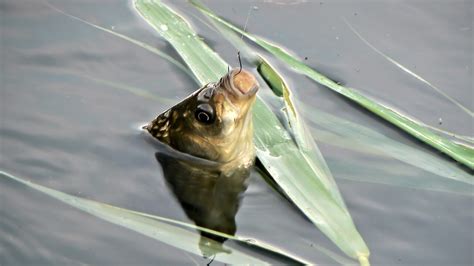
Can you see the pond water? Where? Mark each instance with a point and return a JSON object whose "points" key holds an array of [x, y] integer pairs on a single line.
{"points": [[63, 127]]}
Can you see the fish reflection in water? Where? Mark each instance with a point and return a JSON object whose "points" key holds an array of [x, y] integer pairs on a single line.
{"points": [[209, 196], [209, 150]]}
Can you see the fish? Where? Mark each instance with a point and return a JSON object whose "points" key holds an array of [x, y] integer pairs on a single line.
{"points": [[207, 150], [214, 122]]}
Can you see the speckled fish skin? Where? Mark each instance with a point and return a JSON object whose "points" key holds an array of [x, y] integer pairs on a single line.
{"points": [[229, 138]]}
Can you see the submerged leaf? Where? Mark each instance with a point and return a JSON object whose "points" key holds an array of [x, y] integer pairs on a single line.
{"points": [[349, 134], [297, 173], [162, 229], [460, 152]]}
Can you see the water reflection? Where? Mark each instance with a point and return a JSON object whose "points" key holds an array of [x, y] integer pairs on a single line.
{"points": [[209, 194]]}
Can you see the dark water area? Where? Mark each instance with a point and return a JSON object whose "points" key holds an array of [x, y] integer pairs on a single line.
{"points": [[63, 127]]}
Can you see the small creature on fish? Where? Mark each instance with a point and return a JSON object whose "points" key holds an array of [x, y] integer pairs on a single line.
{"points": [[213, 123], [209, 150]]}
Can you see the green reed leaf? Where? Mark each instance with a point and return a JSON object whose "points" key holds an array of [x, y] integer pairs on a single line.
{"points": [[346, 134], [296, 125]]}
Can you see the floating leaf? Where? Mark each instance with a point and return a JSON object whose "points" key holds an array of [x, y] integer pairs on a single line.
{"points": [[460, 152], [296, 173]]}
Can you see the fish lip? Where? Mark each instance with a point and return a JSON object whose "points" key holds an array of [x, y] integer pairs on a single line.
{"points": [[236, 91]]}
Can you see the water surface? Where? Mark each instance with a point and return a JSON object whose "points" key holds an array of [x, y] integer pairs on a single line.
{"points": [[63, 129]]}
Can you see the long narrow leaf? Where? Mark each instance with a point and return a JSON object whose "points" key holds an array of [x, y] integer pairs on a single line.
{"points": [[244, 240], [286, 163], [462, 153], [153, 228], [352, 133], [297, 126]]}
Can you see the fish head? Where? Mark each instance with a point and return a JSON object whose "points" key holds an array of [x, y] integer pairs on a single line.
{"points": [[213, 123]]}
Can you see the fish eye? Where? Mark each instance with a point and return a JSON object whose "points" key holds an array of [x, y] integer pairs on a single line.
{"points": [[204, 113]]}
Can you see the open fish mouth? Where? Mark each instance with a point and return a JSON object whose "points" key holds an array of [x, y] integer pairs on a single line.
{"points": [[240, 83]]}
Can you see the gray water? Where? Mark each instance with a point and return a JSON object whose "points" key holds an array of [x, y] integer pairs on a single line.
{"points": [[64, 130]]}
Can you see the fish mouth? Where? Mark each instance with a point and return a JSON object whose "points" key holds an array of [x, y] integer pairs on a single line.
{"points": [[243, 84]]}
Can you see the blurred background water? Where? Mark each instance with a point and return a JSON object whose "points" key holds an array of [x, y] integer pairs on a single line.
{"points": [[61, 128]]}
